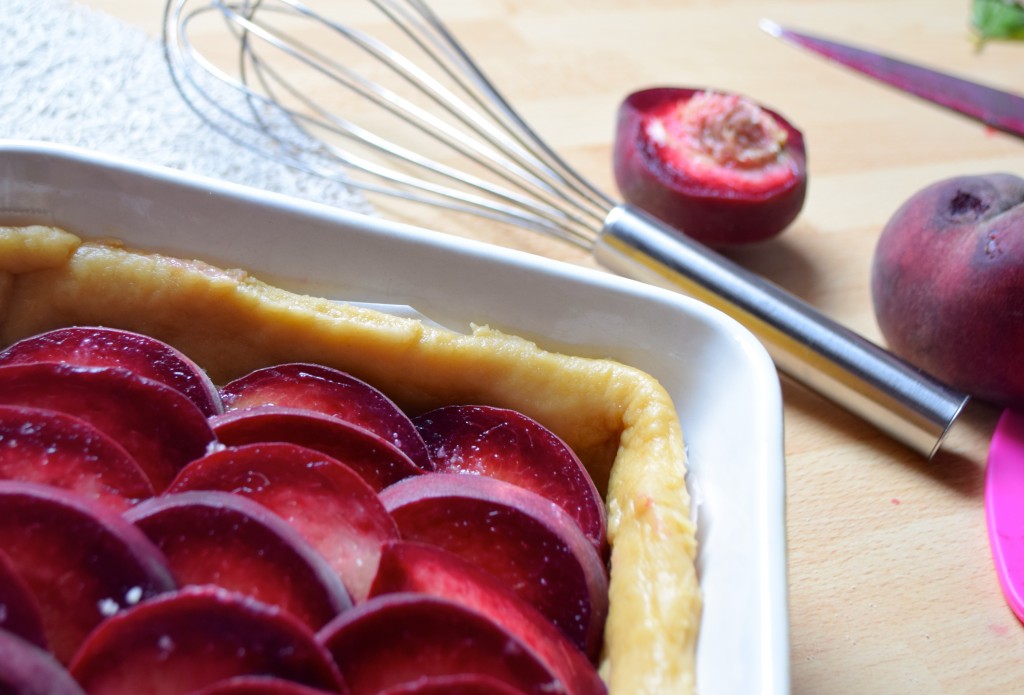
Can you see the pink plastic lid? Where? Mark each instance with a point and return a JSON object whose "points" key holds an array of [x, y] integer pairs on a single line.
{"points": [[1004, 506]]}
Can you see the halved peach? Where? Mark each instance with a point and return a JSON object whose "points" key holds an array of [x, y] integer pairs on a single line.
{"points": [[715, 165]]}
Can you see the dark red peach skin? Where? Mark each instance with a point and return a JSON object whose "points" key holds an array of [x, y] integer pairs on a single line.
{"points": [[330, 392], [524, 539], [94, 346], [327, 502], [258, 685], [415, 567], [218, 538], [157, 425], [82, 562], [379, 462], [505, 444], [53, 448], [20, 614], [717, 216], [27, 669], [462, 684], [189, 639], [399, 638], [947, 283]]}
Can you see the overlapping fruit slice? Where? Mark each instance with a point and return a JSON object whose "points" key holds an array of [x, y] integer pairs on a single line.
{"points": [[258, 685], [486, 575], [195, 637], [329, 505], [81, 561], [329, 392], [407, 566], [27, 669], [157, 425], [461, 684], [213, 537], [399, 638], [52, 448], [524, 539], [94, 346], [379, 462], [20, 614], [504, 444]]}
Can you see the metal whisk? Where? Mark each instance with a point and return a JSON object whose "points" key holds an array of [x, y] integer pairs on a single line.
{"points": [[473, 153]]}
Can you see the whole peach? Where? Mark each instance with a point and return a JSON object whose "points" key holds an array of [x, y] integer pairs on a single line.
{"points": [[948, 284]]}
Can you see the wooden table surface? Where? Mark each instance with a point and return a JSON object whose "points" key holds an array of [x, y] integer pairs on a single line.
{"points": [[892, 588]]}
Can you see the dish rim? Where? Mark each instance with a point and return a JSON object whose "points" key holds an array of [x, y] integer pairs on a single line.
{"points": [[40, 172]]}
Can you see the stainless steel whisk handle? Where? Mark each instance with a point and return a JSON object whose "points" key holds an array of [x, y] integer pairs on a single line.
{"points": [[870, 382]]}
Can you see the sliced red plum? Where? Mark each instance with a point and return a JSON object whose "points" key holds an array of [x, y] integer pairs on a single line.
{"points": [[158, 426], [27, 669], [525, 540], [218, 538], [462, 684], [327, 502], [193, 638], [510, 446], [20, 614], [394, 639], [415, 567], [53, 448], [330, 392], [379, 462], [95, 346], [258, 685], [82, 561]]}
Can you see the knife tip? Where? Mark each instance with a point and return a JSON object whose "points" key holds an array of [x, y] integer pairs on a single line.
{"points": [[770, 27]]}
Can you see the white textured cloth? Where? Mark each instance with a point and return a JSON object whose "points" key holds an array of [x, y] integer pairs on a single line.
{"points": [[75, 76]]}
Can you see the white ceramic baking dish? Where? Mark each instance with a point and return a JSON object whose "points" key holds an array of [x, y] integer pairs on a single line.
{"points": [[724, 385]]}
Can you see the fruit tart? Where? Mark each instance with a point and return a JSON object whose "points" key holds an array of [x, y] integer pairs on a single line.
{"points": [[618, 420]]}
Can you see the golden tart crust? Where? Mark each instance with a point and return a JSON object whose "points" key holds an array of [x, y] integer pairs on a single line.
{"points": [[618, 419]]}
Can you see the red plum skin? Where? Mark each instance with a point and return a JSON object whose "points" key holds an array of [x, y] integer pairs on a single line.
{"points": [[948, 284]]}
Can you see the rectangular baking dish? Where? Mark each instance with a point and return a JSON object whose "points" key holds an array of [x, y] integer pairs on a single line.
{"points": [[723, 383]]}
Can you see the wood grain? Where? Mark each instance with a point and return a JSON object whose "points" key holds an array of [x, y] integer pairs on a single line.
{"points": [[891, 582]]}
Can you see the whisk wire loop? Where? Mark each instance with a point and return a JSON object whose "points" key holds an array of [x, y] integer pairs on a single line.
{"points": [[507, 173], [449, 56], [287, 121], [495, 104]]}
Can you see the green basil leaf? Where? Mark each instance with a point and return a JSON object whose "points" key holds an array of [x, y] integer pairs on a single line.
{"points": [[998, 20]]}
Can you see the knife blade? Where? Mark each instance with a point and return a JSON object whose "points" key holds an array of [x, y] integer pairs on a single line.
{"points": [[1001, 110]]}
